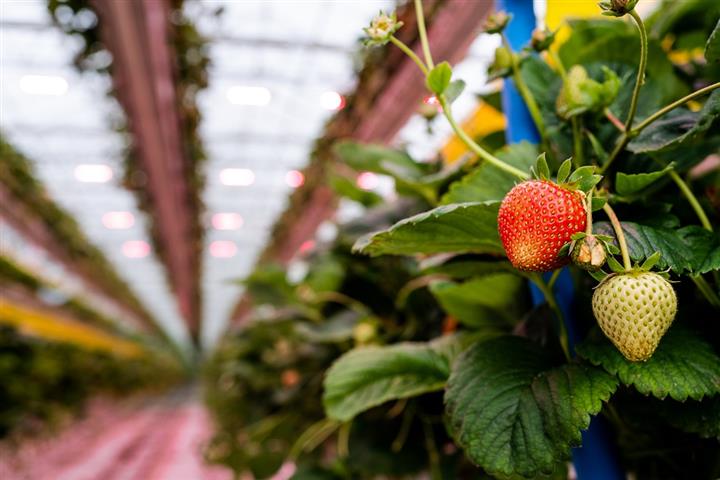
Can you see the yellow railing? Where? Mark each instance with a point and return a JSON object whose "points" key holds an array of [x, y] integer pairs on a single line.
{"points": [[39, 323]]}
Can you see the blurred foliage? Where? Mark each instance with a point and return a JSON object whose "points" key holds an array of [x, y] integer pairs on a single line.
{"points": [[43, 382]]}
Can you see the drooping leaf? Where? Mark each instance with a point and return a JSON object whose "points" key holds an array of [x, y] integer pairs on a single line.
{"points": [[514, 413], [683, 366], [687, 249], [487, 183], [493, 301], [627, 184], [370, 376], [459, 228], [676, 127], [712, 47]]}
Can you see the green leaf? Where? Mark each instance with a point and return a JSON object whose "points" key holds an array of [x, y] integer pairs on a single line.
{"points": [[683, 366], [379, 159], [614, 265], [326, 274], [335, 329], [651, 261], [541, 167], [463, 269], [492, 301], [513, 413], [627, 184], [487, 182], [459, 228], [676, 127], [370, 376], [564, 171], [585, 178], [598, 203], [439, 78], [347, 188], [688, 249], [712, 47], [454, 90]]}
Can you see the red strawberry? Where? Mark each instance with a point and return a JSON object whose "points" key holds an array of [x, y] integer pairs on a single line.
{"points": [[536, 219]]}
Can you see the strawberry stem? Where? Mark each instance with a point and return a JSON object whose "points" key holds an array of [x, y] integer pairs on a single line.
{"points": [[525, 93], [588, 225], [628, 135], [620, 236], [690, 196], [641, 69], [408, 51], [422, 32], [474, 147]]}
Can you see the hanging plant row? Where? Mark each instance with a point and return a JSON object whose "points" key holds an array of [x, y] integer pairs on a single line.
{"points": [[190, 62], [424, 343], [44, 381], [16, 174]]}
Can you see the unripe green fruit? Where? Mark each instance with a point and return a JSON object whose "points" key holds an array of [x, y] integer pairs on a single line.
{"points": [[634, 310]]}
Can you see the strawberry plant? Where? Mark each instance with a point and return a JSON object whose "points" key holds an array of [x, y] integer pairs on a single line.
{"points": [[441, 350]]}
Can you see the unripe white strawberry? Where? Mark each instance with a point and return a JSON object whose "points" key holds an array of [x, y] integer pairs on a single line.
{"points": [[634, 310]]}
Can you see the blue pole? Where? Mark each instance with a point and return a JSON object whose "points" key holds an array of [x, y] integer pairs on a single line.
{"points": [[596, 458]]}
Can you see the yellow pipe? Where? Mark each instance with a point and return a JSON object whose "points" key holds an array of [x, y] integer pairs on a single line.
{"points": [[38, 323]]}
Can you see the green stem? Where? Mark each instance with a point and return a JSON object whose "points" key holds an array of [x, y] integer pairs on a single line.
{"points": [[408, 51], [343, 440], [706, 290], [588, 222], [628, 135], [690, 196], [641, 70], [474, 147], [433, 454], [524, 91], [577, 142], [620, 236], [423, 34], [547, 292], [674, 105], [553, 278]]}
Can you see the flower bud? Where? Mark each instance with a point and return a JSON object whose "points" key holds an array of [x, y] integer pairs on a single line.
{"points": [[617, 8], [496, 22], [501, 65], [589, 253], [541, 39], [364, 333], [381, 28]]}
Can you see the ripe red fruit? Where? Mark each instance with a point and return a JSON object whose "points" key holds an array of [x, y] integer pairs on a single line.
{"points": [[536, 219]]}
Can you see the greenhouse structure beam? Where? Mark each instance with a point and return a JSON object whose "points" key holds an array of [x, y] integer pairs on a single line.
{"points": [[144, 75], [452, 27]]}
